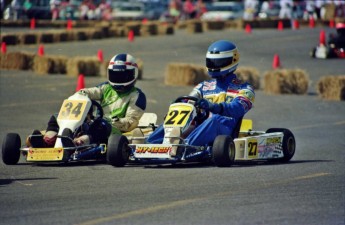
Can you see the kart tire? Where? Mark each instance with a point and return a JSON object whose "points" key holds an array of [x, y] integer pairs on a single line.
{"points": [[11, 149], [223, 151], [117, 150], [288, 145]]}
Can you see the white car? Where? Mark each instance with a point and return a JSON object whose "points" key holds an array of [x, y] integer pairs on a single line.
{"points": [[221, 11], [128, 11]]}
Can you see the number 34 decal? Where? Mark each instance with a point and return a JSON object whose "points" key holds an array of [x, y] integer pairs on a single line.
{"points": [[72, 110], [252, 148]]}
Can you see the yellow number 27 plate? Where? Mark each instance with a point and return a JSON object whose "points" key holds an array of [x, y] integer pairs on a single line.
{"points": [[45, 154]]}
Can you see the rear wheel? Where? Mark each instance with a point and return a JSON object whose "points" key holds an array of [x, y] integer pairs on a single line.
{"points": [[288, 145], [11, 149], [117, 150], [223, 151]]}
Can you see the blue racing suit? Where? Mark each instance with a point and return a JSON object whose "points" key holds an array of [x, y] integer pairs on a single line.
{"points": [[235, 99]]}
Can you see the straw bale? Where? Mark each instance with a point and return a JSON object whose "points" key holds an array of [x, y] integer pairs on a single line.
{"points": [[89, 66], [9, 39], [214, 25], [148, 29], [50, 64], [194, 26], [81, 35], [250, 75], [60, 36], [134, 26], [117, 31], [44, 37], [166, 29], [15, 61], [286, 81], [184, 74], [332, 87], [94, 34], [27, 38]]}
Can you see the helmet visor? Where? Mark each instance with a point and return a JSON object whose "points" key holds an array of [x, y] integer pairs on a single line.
{"points": [[218, 63], [121, 76]]}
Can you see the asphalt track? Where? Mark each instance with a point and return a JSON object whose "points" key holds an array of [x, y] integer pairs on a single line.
{"points": [[307, 190]]}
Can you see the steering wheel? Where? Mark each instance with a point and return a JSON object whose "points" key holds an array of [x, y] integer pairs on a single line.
{"points": [[99, 110], [202, 114]]}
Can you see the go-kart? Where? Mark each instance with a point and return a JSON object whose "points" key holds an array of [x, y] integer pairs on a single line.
{"points": [[244, 144], [76, 111]]}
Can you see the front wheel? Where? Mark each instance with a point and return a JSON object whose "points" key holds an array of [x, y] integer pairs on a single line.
{"points": [[223, 151], [117, 150], [288, 145], [11, 149]]}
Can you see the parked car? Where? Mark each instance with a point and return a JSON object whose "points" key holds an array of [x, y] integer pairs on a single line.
{"points": [[128, 11], [223, 11], [40, 10]]}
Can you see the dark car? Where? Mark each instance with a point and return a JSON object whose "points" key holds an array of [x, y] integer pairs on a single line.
{"points": [[40, 10]]}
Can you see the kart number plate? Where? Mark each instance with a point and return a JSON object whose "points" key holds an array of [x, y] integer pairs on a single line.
{"points": [[72, 110], [178, 115], [45, 154]]}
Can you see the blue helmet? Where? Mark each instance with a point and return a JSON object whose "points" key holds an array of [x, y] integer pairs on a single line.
{"points": [[222, 58]]}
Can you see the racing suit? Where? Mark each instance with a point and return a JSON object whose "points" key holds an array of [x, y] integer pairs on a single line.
{"points": [[122, 112], [235, 99]]}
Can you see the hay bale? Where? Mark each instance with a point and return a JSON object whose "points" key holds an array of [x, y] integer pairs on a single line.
{"points": [[165, 29], [15, 61], [250, 75], [184, 74], [117, 31], [50, 64], [89, 66], [9, 39], [332, 87], [94, 34], [27, 38], [214, 25], [285, 81], [194, 26], [148, 29], [45, 37]]}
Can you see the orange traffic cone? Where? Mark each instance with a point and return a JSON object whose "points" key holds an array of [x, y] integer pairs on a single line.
{"points": [[276, 62], [131, 36], [3, 48], [40, 51], [331, 23], [248, 29], [100, 55], [32, 23], [311, 22], [280, 25], [144, 21], [69, 25], [322, 40], [295, 24], [81, 82]]}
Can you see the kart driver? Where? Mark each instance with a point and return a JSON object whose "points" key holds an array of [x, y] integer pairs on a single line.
{"points": [[337, 41], [225, 96], [123, 105]]}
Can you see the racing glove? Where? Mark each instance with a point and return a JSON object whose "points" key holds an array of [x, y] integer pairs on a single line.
{"points": [[209, 106]]}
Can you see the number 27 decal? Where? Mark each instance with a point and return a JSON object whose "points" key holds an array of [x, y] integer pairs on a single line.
{"points": [[252, 148]]}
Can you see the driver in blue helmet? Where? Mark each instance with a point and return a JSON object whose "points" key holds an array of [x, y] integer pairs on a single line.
{"points": [[123, 105], [224, 95]]}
